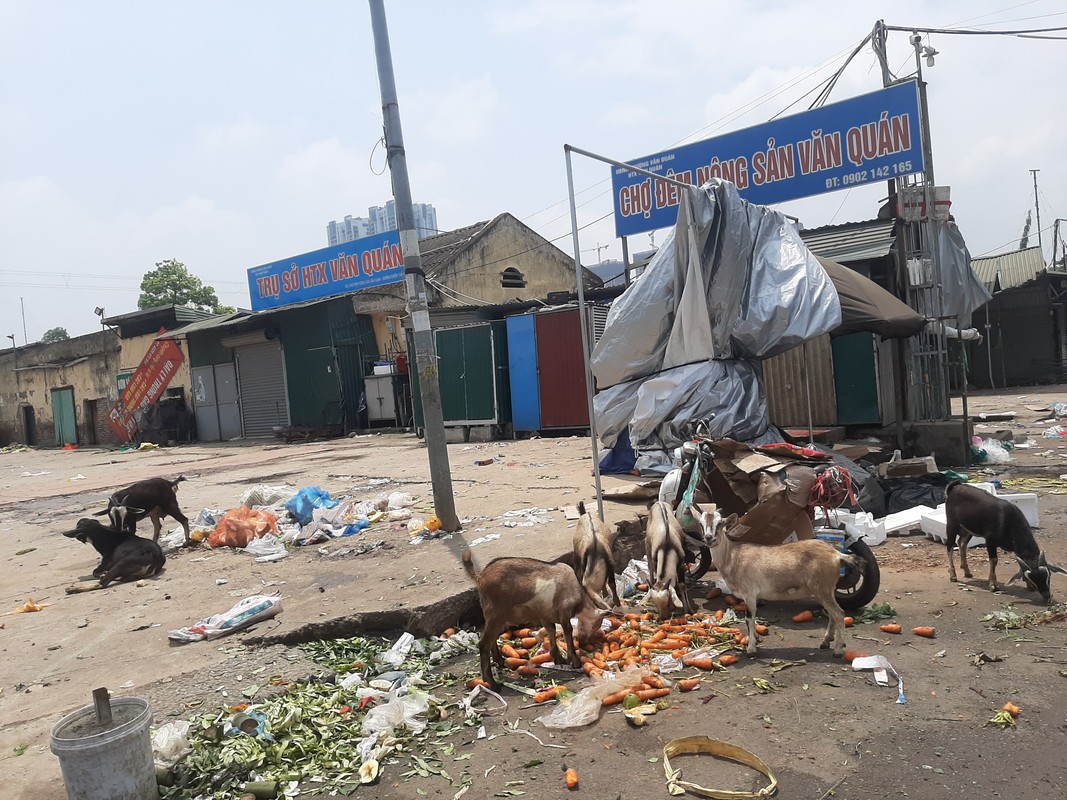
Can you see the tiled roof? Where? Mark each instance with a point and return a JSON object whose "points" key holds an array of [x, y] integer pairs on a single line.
{"points": [[438, 250], [1009, 270]]}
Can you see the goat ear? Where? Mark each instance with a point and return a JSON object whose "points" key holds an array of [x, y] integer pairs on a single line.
{"points": [[1020, 574], [696, 510], [101, 513], [132, 510], [675, 598], [1054, 568]]}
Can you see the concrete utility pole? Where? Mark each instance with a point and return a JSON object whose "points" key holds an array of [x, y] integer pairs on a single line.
{"points": [[1037, 208], [444, 501]]}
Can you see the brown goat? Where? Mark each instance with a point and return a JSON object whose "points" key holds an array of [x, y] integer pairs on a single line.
{"points": [[522, 591], [665, 551], [754, 572], [594, 565]]}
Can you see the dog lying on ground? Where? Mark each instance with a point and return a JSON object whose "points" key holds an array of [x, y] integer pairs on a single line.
{"points": [[972, 512], [123, 556]]}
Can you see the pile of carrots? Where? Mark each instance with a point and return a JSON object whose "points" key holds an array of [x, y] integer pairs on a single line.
{"points": [[635, 639]]}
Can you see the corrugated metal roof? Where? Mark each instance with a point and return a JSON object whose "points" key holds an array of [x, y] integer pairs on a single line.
{"points": [[1009, 270], [853, 241]]}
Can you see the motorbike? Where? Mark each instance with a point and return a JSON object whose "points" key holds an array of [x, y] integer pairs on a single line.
{"points": [[688, 482]]}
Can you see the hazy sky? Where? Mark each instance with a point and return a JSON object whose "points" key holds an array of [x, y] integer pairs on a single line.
{"points": [[227, 134]]}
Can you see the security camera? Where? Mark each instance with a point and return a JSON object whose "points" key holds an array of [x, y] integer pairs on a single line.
{"points": [[915, 38]]}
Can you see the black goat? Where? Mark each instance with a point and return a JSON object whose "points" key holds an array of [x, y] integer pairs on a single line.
{"points": [[123, 556], [154, 498], [972, 512]]}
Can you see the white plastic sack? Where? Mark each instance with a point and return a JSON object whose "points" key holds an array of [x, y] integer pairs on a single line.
{"points": [[584, 707], [267, 546], [396, 654], [400, 500], [262, 495], [995, 451]]}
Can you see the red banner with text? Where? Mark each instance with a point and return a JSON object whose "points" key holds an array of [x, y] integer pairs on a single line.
{"points": [[157, 368]]}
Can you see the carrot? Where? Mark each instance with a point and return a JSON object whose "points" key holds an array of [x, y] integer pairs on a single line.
{"points": [[530, 641], [719, 614], [851, 655], [689, 685], [508, 651], [923, 630], [629, 641], [528, 672], [652, 694], [849, 622], [616, 698], [700, 663], [571, 778], [477, 682], [541, 658], [729, 659], [731, 600], [715, 592], [652, 682], [642, 587], [522, 633], [450, 632], [589, 668], [1012, 709], [669, 644], [514, 663], [741, 608], [762, 630], [547, 694], [803, 616], [660, 634], [889, 627]]}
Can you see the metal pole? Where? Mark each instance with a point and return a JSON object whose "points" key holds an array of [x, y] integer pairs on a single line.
{"points": [[444, 501], [1037, 208], [807, 393], [586, 349], [626, 261], [26, 339]]}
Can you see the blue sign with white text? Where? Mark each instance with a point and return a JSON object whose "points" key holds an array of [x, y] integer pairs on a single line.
{"points": [[372, 261], [873, 137]]}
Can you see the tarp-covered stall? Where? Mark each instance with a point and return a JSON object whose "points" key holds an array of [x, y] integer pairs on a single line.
{"points": [[733, 284]]}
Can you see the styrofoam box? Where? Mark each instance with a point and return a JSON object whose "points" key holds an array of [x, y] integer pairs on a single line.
{"points": [[935, 526], [1027, 503]]}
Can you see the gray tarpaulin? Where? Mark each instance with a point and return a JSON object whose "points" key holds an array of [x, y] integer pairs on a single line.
{"points": [[733, 284], [961, 291]]}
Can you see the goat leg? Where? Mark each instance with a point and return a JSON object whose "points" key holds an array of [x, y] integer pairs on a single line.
{"points": [[993, 569], [835, 628], [750, 616], [572, 651], [485, 645], [611, 582], [964, 541]]}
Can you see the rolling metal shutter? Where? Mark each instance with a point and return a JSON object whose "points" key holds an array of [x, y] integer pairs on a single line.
{"points": [[261, 376]]}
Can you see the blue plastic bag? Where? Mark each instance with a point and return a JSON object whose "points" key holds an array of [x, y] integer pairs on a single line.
{"points": [[307, 500]]}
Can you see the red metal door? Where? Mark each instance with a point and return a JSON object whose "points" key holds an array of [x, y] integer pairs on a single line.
{"points": [[561, 370]]}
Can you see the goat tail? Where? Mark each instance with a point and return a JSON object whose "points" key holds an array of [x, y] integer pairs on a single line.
{"points": [[178, 480], [581, 508], [853, 563], [468, 564], [952, 485]]}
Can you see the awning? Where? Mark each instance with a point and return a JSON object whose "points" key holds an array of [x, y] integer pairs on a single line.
{"points": [[866, 306]]}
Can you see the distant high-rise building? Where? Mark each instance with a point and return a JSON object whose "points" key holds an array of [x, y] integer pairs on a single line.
{"points": [[380, 220]]}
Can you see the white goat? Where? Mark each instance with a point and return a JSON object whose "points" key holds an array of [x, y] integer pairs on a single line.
{"points": [[754, 572], [666, 560]]}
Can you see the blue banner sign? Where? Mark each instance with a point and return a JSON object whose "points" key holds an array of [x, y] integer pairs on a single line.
{"points": [[866, 139], [342, 268]]}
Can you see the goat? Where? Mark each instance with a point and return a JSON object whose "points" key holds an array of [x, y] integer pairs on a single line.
{"points": [[593, 562], [517, 591], [154, 498], [808, 568], [124, 556], [972, 512], [665, 550]]}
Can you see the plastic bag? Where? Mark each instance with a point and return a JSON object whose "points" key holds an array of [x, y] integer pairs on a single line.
{"points": [[241, 525], [396, 654], [584, 707], [400, 500], [408, 710], [267, 546], [170, 743], [996, 452], [263, 495], [305, 501], [246, 612]]}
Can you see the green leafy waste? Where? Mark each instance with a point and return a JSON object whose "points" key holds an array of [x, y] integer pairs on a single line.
{"points": [[876, 612]]}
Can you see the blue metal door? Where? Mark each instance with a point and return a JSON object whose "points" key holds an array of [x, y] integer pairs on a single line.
{"points": [[522, 365]]}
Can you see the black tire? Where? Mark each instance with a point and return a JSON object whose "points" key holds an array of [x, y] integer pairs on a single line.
{"points": [[858, 587], [698, 567]]}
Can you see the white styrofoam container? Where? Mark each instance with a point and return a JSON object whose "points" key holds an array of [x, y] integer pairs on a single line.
{"points": [[384, 369], [1027, 503], [905, 520], [935, 526]]}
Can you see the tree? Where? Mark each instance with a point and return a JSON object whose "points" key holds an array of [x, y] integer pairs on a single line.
{"points": [[171, 283], [54, 335], [1025, 240]]}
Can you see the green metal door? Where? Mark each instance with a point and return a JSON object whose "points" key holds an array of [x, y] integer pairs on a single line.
{"points": [[856, 379], [479, 369], [63, 415]]}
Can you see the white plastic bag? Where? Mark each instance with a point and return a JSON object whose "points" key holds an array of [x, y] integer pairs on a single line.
{"points": [[408, 710], [396, 654], [170, 743], [262, 495], [246, 612], [267, 546], [584, 707]]}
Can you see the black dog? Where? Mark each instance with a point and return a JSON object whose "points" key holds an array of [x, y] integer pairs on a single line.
{"points": [[124, 556], [972, 512]]}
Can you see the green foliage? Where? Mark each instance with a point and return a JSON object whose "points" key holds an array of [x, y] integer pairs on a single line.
{"points": [[54, 335], [171, 283]]}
